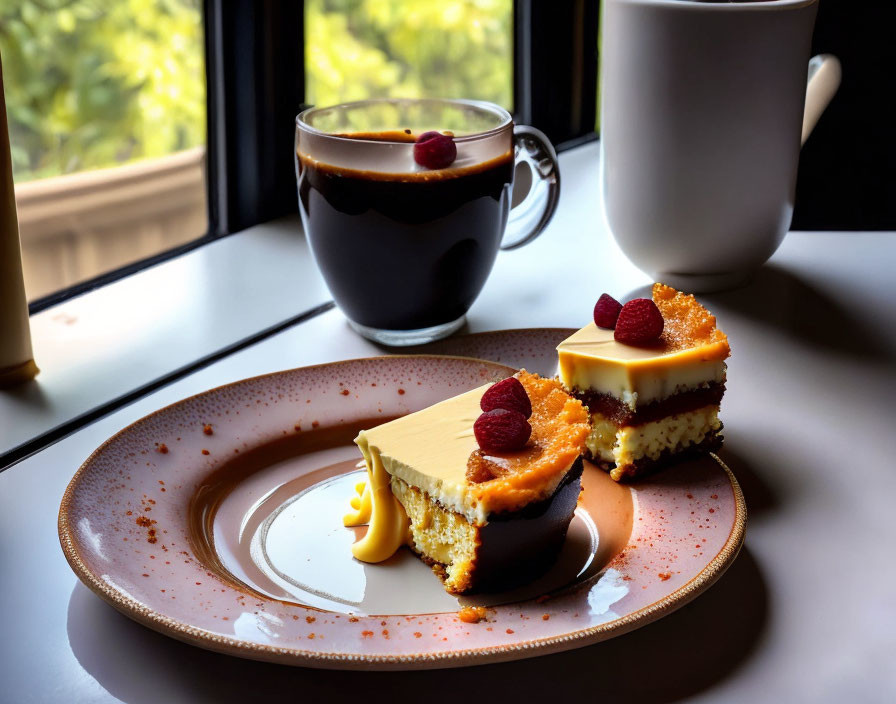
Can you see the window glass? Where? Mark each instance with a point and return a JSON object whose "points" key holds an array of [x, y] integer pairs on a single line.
{"points": [[106, 107], [356, 49]]}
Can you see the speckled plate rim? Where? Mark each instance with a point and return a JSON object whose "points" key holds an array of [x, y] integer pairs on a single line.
{"points": [[453, 657]]}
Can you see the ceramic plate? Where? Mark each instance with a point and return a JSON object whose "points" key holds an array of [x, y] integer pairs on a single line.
{"points": [[217, 521]]}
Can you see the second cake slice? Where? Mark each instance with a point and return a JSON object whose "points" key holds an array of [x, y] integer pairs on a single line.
{"points": [[650, 404]]}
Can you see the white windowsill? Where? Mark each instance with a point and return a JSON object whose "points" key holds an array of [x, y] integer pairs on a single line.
{"points": [[99, 346]]}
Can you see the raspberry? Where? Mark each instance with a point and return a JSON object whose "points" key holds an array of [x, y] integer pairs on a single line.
{"points": [[508, 394], [640, 323], [500, 430], [434, 150], [606, 310]]}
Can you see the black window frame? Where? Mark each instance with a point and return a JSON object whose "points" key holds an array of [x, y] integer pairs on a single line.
{"points": [[255, 76]]}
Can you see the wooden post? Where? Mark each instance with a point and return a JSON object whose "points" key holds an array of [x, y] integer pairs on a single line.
{"points": [[16, 358]]}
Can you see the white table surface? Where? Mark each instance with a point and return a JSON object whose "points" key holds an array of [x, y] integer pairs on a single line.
{"points": [[807, 613]]}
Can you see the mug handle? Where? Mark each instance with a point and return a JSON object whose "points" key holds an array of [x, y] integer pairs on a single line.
{"points": [[530, 216], [823, 81]]}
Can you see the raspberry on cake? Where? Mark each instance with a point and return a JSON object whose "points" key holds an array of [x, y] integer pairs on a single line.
{"points": [[483, 520], [650, 403]]}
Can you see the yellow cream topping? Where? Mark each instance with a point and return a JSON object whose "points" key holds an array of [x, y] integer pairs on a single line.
{"points": [[438, 468], [591, 359], [388, 522]]}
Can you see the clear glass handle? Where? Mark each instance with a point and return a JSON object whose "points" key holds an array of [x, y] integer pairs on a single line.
{"points": [[530, 216]]}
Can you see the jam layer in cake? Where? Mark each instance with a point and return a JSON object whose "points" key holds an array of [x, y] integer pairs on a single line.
{"points": [[482, 520], [650, 405]]}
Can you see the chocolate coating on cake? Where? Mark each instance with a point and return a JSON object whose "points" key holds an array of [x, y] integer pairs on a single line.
{"points": [[518, 546]]}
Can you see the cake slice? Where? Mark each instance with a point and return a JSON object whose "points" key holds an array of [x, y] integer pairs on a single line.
{"points": [[482, 520], [650, 404]]}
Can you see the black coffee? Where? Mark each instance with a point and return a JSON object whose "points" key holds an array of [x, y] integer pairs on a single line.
{"points": [[405, 251]]}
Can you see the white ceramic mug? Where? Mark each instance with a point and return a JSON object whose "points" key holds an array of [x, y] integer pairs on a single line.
{"points": [[704, 107]]}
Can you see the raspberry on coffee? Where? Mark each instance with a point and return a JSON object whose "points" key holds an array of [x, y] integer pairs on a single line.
{"points": [[434, 150]]}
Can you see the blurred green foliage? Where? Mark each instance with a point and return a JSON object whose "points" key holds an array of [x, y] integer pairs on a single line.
{"points": [[356, 49], [96, 83]]}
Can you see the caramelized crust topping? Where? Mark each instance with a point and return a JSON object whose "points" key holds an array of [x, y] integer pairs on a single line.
{"points": [[560, 425], [687, 323]]}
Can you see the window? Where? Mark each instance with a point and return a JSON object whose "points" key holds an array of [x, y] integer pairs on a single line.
{"points": [[109, 106], [107, 112], [356, 49], [244, 64]]}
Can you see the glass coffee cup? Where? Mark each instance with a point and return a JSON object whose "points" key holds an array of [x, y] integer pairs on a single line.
{"points": [[403, 247]]}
